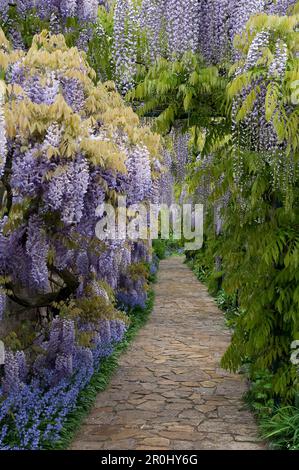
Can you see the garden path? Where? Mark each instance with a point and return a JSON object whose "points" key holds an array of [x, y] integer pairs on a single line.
{"points": [[169, 391]]}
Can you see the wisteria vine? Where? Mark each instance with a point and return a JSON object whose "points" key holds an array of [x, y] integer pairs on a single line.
{"points": [[68, 146]]}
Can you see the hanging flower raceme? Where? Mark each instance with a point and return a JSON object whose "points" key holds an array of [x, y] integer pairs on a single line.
{"points": [[57, 363], [216, 24], [3, 144], [37, 250], [279, 63], [4, 8], [151, 22], [171, 27], [241, 11], [214, 27], [182, 25], [139, 174], [167, 179], [2, 304], [259, 113], [69, 8], [126, 22], [84, 10], [181, 152], [15, 371], [51, 14], [255, 51], [281, 7], [203, 165]]}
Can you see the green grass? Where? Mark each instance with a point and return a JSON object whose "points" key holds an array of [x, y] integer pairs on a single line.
{"points": [[278, 423], [282, 429], [101, 378]]}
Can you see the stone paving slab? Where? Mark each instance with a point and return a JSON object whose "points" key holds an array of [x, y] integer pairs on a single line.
{"points": [[169, 392]]}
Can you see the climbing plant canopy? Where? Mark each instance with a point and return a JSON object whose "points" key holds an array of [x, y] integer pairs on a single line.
{"points": [[158, 101], [243, 120]]}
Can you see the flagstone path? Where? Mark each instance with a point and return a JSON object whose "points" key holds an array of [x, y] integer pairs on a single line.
{"points": [[169, 392]]}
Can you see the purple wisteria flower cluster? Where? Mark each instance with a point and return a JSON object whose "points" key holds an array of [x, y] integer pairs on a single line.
{"points": [[173, 27], [165, 28], [34, 406], [65, 191], [181, 152], [126, 21], [68, 146], [257, 130], [83, 10], [57, 15], [169, 28], [3, 142]]}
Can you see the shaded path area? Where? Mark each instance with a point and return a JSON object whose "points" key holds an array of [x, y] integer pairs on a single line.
{"points": [[169, 392]]}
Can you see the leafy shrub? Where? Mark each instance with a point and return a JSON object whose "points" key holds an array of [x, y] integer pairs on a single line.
{"points": [[159, 248]]}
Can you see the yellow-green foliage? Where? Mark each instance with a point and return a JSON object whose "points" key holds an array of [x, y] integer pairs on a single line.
{"points": [[102, 104], [185, 90], [91, 308], [138, 271]]}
